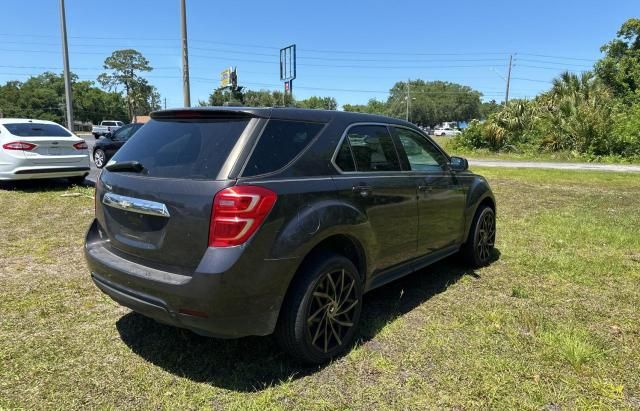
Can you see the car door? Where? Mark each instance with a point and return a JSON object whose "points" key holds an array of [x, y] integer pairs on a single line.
{"points": [[371, 179], [441, 196]]}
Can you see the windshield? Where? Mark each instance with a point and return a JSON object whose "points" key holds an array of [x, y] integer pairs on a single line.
{"points": [[193, 149], [36, 130]]}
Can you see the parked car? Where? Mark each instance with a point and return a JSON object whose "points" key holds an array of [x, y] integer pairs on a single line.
{"points": [[106, 147], [239, 221], [33, 149], [446, 131], [106, 126]]}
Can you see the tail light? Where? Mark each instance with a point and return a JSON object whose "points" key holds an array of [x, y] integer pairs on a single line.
{"points": [[237, 213], [19, 145], [81, 146]]}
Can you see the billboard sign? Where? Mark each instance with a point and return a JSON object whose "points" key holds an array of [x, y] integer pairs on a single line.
{"points": [[226, 77]]}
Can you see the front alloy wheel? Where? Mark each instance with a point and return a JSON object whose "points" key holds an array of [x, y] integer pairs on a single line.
{"points": [[486, 235], [478, 250]]}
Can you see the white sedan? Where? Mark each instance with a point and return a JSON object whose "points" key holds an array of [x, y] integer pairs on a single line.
{"points": [[32, 149], [446, 131]]}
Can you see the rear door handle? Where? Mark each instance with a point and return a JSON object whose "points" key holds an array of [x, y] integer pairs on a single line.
{"points": [[363, 190]]}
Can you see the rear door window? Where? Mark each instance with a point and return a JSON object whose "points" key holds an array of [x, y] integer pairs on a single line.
{"points": [[373, 149], [36, 130], [190, 149], [280, 142]]}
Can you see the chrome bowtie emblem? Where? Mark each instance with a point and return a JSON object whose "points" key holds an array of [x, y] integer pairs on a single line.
{"points": [[124, 204]]}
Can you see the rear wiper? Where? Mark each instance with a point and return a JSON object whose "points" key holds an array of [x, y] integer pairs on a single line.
{"points": [[126, 166]]}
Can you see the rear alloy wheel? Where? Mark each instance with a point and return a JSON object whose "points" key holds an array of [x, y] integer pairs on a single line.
{"points": [[478, 250], [99, 158], [321, 313]]}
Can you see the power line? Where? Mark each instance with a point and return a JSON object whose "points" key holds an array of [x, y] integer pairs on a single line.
{"points": [[552, 62], [547, 68], [530, 79], [556, 57]]}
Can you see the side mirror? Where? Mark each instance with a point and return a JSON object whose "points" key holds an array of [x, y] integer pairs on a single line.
{"points": [[459, 164]]}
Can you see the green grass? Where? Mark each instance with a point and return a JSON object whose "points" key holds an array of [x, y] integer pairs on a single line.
{"points": [[530, 154], [554, 322]]}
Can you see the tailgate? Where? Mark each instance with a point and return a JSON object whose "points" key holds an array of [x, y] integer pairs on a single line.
{"points": [[161, 222]]}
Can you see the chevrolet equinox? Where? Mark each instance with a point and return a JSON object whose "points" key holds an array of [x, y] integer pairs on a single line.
{"points": [[251, 221]]}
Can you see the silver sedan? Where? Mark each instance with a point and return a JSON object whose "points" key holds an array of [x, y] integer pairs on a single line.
{"points": [[31, 149]]}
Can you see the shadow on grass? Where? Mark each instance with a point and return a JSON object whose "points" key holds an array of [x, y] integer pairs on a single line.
{"points": [[41, 185], [255, 363]]}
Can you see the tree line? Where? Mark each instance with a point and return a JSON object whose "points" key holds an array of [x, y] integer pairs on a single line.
{"points": [[432, 102], [123, 93], [596, 112]]}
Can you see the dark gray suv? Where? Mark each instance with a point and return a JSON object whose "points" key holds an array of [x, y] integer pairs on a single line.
{"points": [[240, 221]]}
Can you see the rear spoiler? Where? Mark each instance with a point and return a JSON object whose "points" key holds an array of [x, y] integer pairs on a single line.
{"points": [[210, 113]]}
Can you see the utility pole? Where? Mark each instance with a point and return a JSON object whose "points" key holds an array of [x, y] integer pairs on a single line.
{"points": [[408, 97], [185, 57], [165, 103], [67, 76], [506, 97]]}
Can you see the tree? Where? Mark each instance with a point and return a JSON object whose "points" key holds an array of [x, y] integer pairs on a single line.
{"points": [[433, 102], [373, 106], [250, 98], [620, 68], [125, 66], [326, 103], [487, 108], [42, 97]]}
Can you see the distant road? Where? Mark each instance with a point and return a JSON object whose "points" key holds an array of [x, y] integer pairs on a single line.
{"points": [[620, 168]]}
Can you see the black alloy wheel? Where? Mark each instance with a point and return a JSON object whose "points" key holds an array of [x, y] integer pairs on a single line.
{"points": [[478, 250], [486, 235]]}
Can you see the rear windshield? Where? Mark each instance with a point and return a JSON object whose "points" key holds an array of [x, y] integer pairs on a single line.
{"points": [[36, 130], [193, 149], [109, 123]]}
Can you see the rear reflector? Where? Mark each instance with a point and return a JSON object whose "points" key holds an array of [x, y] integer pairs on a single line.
{"points": [[19, 145], [81, 146], [237, 213]]}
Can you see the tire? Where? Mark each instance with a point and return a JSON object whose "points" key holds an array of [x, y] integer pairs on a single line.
{"points": [[96, 136], [99, 158], [320, 315], [478, 250]]}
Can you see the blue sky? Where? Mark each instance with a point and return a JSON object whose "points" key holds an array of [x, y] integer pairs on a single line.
{"points": [[351, 50]]}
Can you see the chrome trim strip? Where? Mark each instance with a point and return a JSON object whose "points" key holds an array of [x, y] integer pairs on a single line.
{"points": [[135, 204]]}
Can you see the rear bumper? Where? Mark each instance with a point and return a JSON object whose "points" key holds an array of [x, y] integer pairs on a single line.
{"points": [[29, 173], [226, 297]]}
